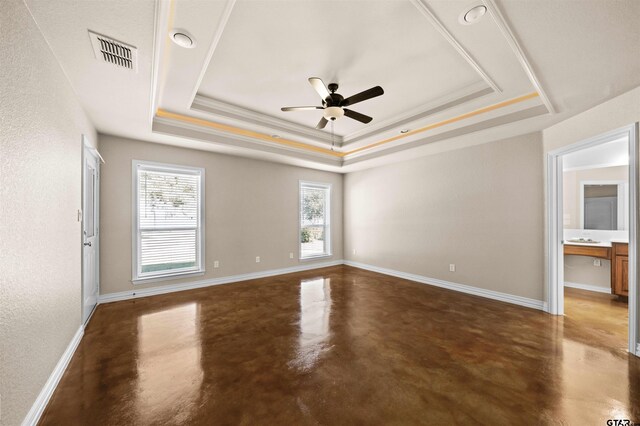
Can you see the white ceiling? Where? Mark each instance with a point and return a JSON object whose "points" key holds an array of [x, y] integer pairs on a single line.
{"points": [[453, 82], [263, 67], [611, 154], [116, 99]]}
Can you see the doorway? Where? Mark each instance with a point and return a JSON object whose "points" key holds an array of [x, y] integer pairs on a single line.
{"points": [[604, 205], [90, 229]]}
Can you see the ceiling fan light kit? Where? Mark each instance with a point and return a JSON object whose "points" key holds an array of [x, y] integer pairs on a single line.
{"points": [[333, 104], [333, 113]]}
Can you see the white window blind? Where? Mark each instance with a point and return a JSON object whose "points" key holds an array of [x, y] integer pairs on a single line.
{"points": [[314, 220], [168, 220]]}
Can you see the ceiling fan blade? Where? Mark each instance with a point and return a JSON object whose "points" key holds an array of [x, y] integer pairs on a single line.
{"points": [[304, 108], [357, 116], [320, 87], [323, 122], [363, 96]]}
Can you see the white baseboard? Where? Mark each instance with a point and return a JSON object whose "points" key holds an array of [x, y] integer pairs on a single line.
{"points": [[49, 387], [638, 350], [476, 291], [134, 294], [588, 287]]}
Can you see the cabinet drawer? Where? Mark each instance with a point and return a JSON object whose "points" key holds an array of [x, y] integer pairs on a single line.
{"points": [[621, 249], [601, 252]]}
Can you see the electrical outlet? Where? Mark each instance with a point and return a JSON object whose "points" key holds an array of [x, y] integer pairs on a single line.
{"points": [[216, 264], [290, 255], [257, 259], [354, 251], [597, 262], [452, 267]]}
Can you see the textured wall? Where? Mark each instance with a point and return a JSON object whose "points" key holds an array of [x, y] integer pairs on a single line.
{"points": [[251, 210], [478, 207], [41, 124]]}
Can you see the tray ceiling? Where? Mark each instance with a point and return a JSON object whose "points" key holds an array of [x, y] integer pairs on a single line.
{"points": [[259, 56], [268, 50], [521, 68]]}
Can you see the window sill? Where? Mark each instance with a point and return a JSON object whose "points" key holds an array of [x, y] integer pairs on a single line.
{"points": [[158, 278], [320, 256]]}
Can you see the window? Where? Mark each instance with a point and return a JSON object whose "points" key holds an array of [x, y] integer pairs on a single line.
{"points": [[315, 233], [168, 235]]}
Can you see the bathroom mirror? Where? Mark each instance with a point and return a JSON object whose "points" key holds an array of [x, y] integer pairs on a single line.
{"points": [[603, 205]]}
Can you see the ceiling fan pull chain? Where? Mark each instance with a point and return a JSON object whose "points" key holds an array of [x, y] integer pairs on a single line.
{"points": [[332, 137]]}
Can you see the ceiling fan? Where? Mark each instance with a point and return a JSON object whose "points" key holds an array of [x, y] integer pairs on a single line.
{"points": [[333, 103]]}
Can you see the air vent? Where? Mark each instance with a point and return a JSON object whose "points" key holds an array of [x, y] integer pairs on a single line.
{"points": [[114, 52]]}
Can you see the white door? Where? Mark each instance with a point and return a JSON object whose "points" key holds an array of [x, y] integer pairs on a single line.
{"points": [[90, 270]]}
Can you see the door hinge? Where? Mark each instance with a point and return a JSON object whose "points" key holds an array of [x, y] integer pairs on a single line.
{"points": [[79, 215]]}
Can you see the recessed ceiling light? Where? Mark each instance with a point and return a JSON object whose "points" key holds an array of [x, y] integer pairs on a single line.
{"points": [[473, 14], [183, 39], [404, 131]]}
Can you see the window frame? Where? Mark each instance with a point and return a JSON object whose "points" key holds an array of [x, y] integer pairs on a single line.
{"points": [[327, 222], [137, 277]]}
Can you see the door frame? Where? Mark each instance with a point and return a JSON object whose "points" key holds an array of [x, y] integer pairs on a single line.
{"points": [[555, 225], [88, 149]]}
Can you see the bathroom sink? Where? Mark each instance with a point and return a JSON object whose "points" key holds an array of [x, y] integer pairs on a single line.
{"points": [[583, 241]]}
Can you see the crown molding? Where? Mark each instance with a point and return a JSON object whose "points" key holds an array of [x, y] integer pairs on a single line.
{"points": [[213, 106], [452, 100], [209, 105], [195, 128], [200, 130], [224, 19], [426, 12], [163, 20], [501, 22], [448, 121], [534, 111]]}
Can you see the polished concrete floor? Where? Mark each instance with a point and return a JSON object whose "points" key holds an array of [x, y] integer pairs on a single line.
{"points": [[343, 346]]}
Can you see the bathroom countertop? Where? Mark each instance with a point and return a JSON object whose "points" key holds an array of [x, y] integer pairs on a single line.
{"points": [[600, 244]]}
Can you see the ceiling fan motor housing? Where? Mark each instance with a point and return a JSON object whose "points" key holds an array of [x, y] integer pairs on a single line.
{"points": [[334, 99]]}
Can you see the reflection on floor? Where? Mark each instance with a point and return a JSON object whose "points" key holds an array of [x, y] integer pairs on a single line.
{"points": [[341, 346], [605, 316]]}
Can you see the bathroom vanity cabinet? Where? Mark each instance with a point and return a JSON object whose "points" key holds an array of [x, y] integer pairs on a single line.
{"points": [[620, 269], [617, 254]]}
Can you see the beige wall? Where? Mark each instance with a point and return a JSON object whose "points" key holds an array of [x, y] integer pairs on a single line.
{"points": [[478, 207], [40, 174], [613, 114], [251, 210]]}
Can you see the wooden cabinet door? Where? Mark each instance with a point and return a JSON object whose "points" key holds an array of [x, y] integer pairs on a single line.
{"points": [[621, 286]]}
